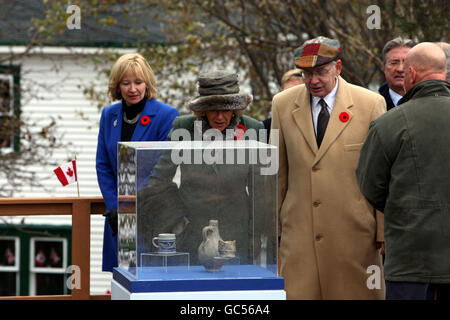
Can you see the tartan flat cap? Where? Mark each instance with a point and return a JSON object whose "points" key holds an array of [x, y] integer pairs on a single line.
{"points": [[317, 52]]}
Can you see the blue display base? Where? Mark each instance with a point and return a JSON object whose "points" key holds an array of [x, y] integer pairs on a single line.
{"points": [[155, 279]]}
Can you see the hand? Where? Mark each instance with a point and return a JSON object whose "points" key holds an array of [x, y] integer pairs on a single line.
{"points": [[112, 220], [380, 245]]}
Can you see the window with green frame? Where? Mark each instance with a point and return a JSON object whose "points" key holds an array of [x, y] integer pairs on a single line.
{"points": [[9, 107], [34, 259]]}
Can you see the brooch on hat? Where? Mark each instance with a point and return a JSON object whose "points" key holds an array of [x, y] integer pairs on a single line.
{"points": [[344, 116]]}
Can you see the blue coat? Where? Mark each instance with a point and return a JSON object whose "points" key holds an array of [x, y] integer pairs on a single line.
{"points": [[161, 118]]}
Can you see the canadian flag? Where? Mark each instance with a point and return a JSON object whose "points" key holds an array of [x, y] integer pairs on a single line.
{"points": [[67, 173]]}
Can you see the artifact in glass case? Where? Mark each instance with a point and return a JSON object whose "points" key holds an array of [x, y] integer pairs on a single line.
{"points": [[208, 251], [227, 249], [178, 187], [166, 242]]}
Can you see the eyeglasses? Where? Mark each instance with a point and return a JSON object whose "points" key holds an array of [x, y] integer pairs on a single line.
{"points": [[319, 73], [395, 63]]}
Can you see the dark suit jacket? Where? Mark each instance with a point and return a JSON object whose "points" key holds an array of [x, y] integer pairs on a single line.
{"points": [[267, 123], [384, 91]]}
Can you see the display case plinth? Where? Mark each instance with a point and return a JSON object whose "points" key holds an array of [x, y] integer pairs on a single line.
{"points": [[246, 282], [164, 261]]}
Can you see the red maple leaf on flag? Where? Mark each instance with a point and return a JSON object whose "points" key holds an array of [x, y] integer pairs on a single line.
{"points": [[67, 173]]}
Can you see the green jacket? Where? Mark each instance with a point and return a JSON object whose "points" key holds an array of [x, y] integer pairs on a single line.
{"points": [[404, 171], [187, 122]]}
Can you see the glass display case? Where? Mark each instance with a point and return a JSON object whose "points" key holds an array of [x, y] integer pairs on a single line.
{"points": [[197, 210]]}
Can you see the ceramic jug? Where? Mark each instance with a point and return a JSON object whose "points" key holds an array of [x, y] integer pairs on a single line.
{"points": [[208, 251]]}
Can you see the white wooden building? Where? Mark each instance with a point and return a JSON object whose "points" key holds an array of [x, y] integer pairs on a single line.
{"points": [[77, 121], [52, 78]]}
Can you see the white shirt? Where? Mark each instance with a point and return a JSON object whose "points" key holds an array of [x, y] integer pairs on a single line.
{"points": [[395, 97], [316, 107]]}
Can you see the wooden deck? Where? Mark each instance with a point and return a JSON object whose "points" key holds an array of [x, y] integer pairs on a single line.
{"points": [[80, 209]]}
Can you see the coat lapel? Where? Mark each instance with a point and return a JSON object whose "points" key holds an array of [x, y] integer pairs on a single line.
{"points": [[141, 130], [335, 126], [116, 126], [303, 118]]}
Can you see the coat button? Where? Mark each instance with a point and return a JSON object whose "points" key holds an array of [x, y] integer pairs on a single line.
{"points": [[316, 203], [319, 237]]}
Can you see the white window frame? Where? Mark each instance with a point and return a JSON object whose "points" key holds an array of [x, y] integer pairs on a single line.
{"points": [[16, 267], [48, 270], [10, 78]]}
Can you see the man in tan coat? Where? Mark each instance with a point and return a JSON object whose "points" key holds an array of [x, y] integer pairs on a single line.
{"points": [[330, 235]]}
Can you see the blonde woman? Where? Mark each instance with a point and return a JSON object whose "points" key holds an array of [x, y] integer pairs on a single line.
{"points": [[137, 117]]}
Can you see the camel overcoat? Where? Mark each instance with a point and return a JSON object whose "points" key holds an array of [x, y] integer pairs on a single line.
{"points": [[328, 230]]}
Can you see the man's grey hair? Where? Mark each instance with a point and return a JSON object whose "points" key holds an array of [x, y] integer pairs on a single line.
{"points": [[394, 43]]}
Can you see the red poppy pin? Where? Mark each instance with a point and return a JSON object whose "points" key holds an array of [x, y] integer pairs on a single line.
{"points": [[145, 120], [240, 130], [344, 116]]}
